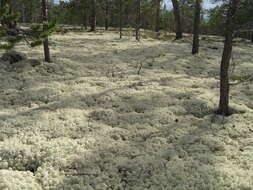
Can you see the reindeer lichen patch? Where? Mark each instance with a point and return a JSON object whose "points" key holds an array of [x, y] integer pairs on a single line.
{"points": [[90, 121]]}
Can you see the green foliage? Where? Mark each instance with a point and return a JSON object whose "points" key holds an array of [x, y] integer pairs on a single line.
{"points": [[7, 34], [216, 20], [10, 34], [39, 32], [5, 15], [216, 17]]}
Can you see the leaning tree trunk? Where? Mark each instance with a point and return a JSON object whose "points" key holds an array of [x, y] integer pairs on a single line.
{"points": [[120, 19], [157, 22], [138, 20], [93, 16], [177, 16], [45, 19], [195, 46], [106, 14], [225, 62]]}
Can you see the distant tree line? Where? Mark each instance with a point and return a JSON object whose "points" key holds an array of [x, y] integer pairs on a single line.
{"points": [[154, 14]]}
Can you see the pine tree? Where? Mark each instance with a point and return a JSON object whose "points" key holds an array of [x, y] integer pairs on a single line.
{"points": [[93, 16], [10, 35], [138, 20], [120, 18], [177, 16], [225, 62], [157, 23], [45, 20], [106, 14], [195, 46]]}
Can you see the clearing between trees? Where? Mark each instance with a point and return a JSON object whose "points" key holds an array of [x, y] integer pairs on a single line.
{"points": [[119, 114]]}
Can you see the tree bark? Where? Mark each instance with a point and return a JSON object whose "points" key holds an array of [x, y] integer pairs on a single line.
{"points": [[126, 14], [85, 18], [158, 8], [45, 19], [29, 12], [112, 19], [23, 13], [195, 46], [93, 16], [85, 14], [138, 20], [120, 19], [177, 16], [225, 62], [106, 14]]}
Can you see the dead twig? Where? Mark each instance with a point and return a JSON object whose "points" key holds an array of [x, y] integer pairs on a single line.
{"points": [[80, 174], [140, 67]]}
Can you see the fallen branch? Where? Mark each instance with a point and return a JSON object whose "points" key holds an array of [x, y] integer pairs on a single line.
{"points": [[80, 174], [242, 81]]}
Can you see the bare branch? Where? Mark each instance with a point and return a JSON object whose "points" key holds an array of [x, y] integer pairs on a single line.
{"points": [[242, 81]]}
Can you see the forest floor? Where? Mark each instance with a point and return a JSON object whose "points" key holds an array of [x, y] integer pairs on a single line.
{"points": [[88, 121]]}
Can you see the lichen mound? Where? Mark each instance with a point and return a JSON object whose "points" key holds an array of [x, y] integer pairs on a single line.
{"points": [[13, 57], [18, 180]]}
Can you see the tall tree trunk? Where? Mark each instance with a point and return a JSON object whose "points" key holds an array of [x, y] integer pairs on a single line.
{"points": [[126, 15], [120, 19], [45, 19], [112, 19], [85, 14], [158, 8], [29, 12], [252, 37], [23, 13], [225, 62], [177, 16], [106, 14], [138, 20], [93, 16], [85, 20], [195, 46]]}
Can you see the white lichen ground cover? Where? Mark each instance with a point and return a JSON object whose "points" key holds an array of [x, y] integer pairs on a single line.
{"points": [[88, 121]]}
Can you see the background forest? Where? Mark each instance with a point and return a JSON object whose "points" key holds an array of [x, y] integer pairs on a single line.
{"points": [[78, 12]]}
